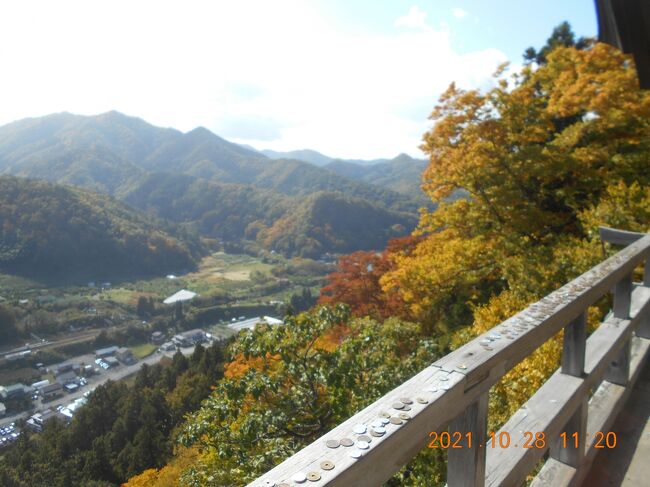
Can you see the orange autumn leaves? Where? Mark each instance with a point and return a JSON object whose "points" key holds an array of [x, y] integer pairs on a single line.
{"points": [[357, 281], [240, 364]]}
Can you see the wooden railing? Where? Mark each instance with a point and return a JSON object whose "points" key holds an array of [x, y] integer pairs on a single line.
{"points": [[583, 397]]}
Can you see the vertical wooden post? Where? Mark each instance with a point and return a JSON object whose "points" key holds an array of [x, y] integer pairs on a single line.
{"points": [[619, 370], [644, 327], [575, 341], [623, 297], [466, 466], [570, 449]]}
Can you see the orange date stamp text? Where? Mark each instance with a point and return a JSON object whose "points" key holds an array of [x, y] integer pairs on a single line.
{"points": [[528, 439]]}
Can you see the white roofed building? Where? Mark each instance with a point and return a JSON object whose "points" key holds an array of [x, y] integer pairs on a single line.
{"points": [[180, 296]]}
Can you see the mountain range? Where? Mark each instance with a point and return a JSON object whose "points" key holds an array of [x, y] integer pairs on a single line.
{"points": [[402, 174], [217, 188]]}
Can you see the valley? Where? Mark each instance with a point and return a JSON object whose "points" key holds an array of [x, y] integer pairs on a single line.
{"points": [[105, 218]]}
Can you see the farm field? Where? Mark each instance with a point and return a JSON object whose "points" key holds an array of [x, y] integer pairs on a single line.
{"points": [[62, 321]]}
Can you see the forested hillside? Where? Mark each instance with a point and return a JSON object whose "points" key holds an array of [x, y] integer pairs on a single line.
{"points": [[402, 174], [333, 222], [121, 431], [220, 189], [306, 155], [293, 225], [107, 151], [227, 211], [53, 230]]}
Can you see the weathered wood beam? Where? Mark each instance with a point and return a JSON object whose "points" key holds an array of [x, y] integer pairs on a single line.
{"points": [[573, 348], [619, 369], [556, 402], [604, 407], [619, 237], [466, 466]]}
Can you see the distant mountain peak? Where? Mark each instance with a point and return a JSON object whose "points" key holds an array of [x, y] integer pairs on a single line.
{"points": [[201, 131], [304, 155]]}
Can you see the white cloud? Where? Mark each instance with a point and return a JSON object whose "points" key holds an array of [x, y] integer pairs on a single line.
{"points": [[415, 19], [300, 79], [459, 13]]}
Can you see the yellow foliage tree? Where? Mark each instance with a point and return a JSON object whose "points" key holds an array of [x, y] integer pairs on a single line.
{"points": [[534, 158], [169, 475], [540, 161]]}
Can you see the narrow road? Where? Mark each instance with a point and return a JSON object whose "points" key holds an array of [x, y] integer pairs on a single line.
{"points": [[116, 373]]}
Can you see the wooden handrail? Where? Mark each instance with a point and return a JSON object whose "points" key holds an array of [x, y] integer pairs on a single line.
{"points": [[453, 392], [618, 237]]}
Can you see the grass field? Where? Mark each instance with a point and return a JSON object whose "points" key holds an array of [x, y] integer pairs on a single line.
{"points": [[222, 331], [144, 350]]}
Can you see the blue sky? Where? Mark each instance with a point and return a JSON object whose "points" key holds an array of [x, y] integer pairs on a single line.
{"points": [[349, 78], [508, 25]]}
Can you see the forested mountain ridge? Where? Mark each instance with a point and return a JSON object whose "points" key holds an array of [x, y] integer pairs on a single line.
{"points": [[333, 222], [305, 155], [106, 151], [402, 174], [293, 225], [221, 189], [226, 211], [54, 230]]}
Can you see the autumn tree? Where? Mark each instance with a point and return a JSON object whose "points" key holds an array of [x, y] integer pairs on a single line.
{"points": [[356, 281], [302, 379], [534, 154]]}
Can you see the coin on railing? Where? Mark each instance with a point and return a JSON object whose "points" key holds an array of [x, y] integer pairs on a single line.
{"points": [[384, 414], [362, 445], [422, 400], [406, 408], [395, 420], [356, 453], [398, 405], [313, 476], [404, 416], [327, 465], [406, 400], [365, 438], [283, 484], [268, 483], [346, 442], [359, 429], [332, 443], [299, 478], [377, 423]]}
